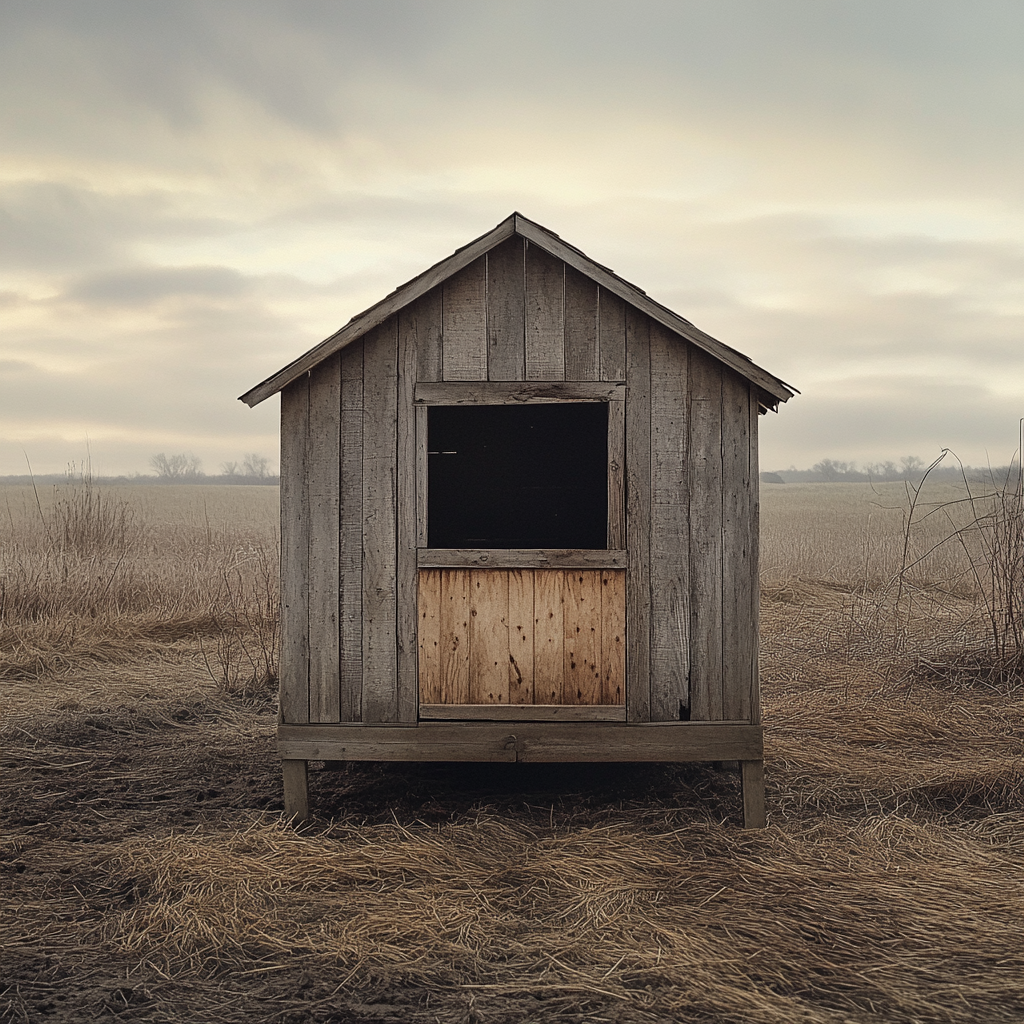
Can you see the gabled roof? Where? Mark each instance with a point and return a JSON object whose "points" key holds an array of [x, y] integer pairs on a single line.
{"points": [[517, 224]]}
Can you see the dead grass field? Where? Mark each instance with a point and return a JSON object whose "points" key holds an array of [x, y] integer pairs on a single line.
{"points": [[147, 874]]}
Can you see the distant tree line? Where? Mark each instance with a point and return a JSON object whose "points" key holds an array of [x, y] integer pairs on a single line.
{"points": [[910, 467], [186, 468]]}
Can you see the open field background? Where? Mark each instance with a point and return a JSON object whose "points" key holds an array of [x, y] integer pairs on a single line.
{"points": [[146, 873]]}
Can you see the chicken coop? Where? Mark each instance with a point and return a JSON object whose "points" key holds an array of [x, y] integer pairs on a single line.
{"points": [[519, 522]]}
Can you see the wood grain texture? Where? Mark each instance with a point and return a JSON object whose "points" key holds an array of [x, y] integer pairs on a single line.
{"points": [[752, 775], [545, 316], [616, 475], [296, 789], [464, 320], [510, 558], [455, 616], [518, 393], [613, 335], [705, 486], [488, 638], [380, 447], [323, 481], [638, 517], [582, 343], [294, 553], [422, 475], [755, 558], [549, 636], [429, 636], [521, 584], [613, 638], [670, 515], [422, 322], [521, 713], [581, 683], [350, 540], [506, 310], [406, 524]]}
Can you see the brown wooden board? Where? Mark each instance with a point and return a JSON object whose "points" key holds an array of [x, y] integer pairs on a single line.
{"points": [[752, 774], [670, 514], [463, 313], [581, 683], [350, 541], [323, 457], [294, 553], [545, 316], [429, 636], [613, 336], [510, 558], [296, 789], [613, 637], [522, 713], [506, 310], [549, 636], [582, 347], [455, 615], [380, 447], [638, 517], [705, 486], [521, 585], [488, 637]]}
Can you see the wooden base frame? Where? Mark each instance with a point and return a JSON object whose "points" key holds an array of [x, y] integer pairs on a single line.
{"points": [[526, 742]]}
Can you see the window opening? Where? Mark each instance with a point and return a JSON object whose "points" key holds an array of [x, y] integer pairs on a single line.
{"points": [[517, 477]]}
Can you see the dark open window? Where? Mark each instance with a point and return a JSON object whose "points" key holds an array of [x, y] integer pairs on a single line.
{"points": [[518, 477]]}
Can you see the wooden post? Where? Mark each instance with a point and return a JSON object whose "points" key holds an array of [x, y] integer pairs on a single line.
{"points": [[752, 773], [296, 789]]}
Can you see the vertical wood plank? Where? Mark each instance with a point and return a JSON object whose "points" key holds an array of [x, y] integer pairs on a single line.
{"points": [[752, 775], [520, 636], [380, 448], [705, 485], [613, 637], [582, 349], [294, 553], [350, 542], [670, 513], [422, 479], [454, 632], [406, 524], [422, 320], [638, 517], [488, 637], [545, 315], [463, 316], [324, 468], [429, 636], [612, 320], [506, 310], [549, 635], [755, 560], [582, 602], [616, 475], [296, 789]]}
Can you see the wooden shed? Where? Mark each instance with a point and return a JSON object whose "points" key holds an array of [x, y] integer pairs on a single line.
{"points": [[519, 522]]}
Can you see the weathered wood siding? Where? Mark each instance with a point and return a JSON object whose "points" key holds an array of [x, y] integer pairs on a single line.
{"points": [[522, 636]]}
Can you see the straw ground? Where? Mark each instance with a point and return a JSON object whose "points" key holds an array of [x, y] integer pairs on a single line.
{"points": [[148, 874]]}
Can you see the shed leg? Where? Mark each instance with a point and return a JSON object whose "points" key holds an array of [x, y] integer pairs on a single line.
{"points": [[296, 790], [752, 773]]}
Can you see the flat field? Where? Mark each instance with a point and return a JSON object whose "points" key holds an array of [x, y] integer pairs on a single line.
{"points": [[147, 874]]}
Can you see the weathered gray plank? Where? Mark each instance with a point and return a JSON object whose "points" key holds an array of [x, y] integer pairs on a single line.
{"points": [[616, 474], [755, 559], [296, 789], [705, 485], [638, 517], [522, 712], [545, 315], [752, 774], [582, 347], [294, 553], [464, 319], [422, 478], [351, 534], [670, 570], [518, 393], [380, 446], [323, 469], [422, 321], [613, 336], [406, 525], [501, 558], [506, 310]]}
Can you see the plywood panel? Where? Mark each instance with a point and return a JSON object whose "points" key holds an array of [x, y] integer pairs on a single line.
{"points": [[380, 447], [549, 636], [454, 632], [506, 310], [464, 341], [705, 485], [670, 512], [545, 315], [613, 336], [521, 584], [350, 540], [488, 637], [582, 354], [613, 637], [429, 636], [581, 683], [294, 553], [323, 469]]}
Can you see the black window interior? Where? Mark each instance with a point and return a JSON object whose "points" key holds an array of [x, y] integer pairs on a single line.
{"points": [[531, 476]]}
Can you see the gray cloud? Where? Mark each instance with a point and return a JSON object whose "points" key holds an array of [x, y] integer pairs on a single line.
{"points": [[149, 284]]}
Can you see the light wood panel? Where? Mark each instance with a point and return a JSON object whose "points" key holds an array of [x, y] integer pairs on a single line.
{"points": [[545, 636]]}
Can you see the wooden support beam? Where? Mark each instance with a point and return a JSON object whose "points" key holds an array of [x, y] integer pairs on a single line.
{"points": [[296, 789], [753, 794]]}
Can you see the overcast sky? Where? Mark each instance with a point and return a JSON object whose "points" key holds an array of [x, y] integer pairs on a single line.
{"points": [[194, 193]]}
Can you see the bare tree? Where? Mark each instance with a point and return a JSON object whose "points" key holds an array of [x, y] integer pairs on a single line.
{"points": [[257, 466], [184, 466], [229, 468]]}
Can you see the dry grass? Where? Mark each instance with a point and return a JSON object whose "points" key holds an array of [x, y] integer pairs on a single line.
{"points": [[148, 874]]}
